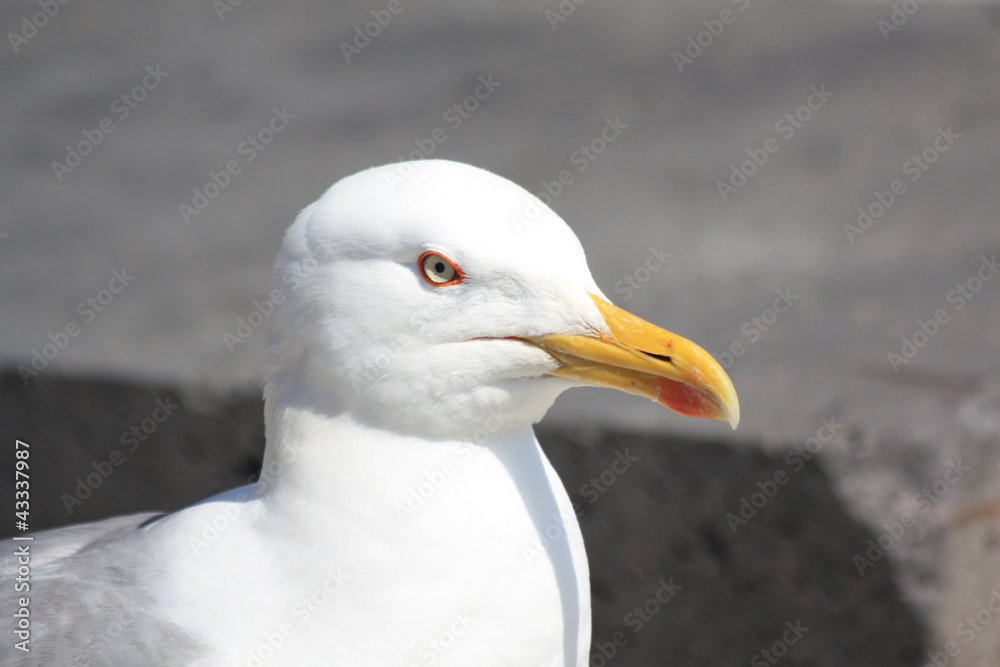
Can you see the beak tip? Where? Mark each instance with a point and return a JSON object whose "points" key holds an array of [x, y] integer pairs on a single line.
{"points": [[732, 409], [729, 412], [725, 399]]}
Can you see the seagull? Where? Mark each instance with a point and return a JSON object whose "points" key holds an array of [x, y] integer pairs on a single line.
{"points": [[427, 314]]}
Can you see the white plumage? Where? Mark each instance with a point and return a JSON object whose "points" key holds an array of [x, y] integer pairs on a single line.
{"points": [[405, 515]]}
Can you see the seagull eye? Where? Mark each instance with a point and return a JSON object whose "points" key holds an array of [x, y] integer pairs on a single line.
{"points": [[438, 270]]}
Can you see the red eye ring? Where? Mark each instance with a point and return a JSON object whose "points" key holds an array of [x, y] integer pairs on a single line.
{"points": [[438, 270]]}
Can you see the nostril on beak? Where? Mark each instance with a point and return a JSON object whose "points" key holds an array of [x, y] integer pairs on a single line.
{"points": [[658, 356]]}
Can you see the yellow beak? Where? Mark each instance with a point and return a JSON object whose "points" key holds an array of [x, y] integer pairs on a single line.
{"points": [[645, 360]]}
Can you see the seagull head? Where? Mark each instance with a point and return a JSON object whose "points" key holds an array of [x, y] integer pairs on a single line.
{"points": [[439, 299]]}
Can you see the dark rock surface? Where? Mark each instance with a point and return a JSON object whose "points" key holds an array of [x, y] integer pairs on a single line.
{"points": [[654, 523]]}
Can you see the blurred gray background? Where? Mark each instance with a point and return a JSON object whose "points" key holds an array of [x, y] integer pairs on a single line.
{"points": [[696, 90]]}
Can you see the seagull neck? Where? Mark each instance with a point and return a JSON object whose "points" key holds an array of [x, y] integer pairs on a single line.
{"points": [[329, 456]]}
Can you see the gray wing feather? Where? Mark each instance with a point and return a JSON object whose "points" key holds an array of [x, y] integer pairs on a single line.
{"points": [[89, 599]]}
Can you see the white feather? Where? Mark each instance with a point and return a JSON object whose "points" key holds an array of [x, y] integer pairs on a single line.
{"points": [[406, 515]]}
